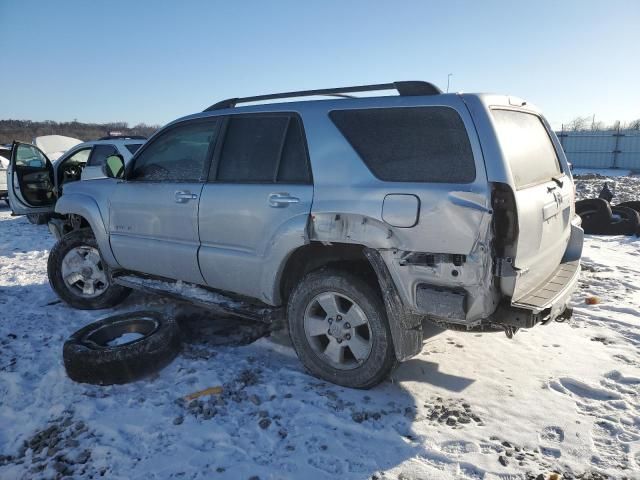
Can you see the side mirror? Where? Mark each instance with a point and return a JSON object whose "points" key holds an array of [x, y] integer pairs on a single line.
{"points": [[114, 166]]}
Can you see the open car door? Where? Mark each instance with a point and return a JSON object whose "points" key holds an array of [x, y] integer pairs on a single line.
{"points": [[30, 180]]}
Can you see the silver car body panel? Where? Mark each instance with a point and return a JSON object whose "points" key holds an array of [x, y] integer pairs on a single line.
{"points": [[245, 258], [151, 232], [93, 205]]}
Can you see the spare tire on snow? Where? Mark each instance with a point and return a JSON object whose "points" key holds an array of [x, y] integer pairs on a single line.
{"points": [[121, 348], [595, 214], [635, 204], [626, 224]]}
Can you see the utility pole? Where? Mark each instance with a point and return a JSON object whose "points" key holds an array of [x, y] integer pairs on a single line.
{"points": [[448, 81]]}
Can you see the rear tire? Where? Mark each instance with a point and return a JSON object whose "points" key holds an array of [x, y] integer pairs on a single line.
{"points": [[321, 311], [78, 274]]}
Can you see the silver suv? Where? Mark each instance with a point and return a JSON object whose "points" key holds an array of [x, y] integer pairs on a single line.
{"points": [[356, 219]]}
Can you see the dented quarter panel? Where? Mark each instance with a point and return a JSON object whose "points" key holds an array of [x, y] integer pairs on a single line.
{"points": [[453, 218], [352, 211]]}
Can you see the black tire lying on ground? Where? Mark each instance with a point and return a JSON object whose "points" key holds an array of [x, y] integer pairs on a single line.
{"points": [[595, 214], [90, 356], [634, 204], [628, 223]]}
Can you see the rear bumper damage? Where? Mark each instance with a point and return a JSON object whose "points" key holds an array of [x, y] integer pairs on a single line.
{"points": [[406, 327], [473, 302], [547, 302]]}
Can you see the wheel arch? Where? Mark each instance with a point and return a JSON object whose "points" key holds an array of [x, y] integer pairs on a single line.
{"points": [[316, 255], [86, 207], [366, 262]]}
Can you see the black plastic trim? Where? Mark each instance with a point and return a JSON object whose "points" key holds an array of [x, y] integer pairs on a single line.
{"points": [[404, 88]]}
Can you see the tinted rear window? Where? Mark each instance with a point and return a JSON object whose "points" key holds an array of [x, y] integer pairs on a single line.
{"points": [[263, 149], [417, 144], [526, 146], [133, 147]]}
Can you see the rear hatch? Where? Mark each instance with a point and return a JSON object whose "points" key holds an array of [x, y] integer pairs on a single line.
{"points": [[543, 198]]}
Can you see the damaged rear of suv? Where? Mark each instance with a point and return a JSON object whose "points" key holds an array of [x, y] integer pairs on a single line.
{"points": [[356, 218]]}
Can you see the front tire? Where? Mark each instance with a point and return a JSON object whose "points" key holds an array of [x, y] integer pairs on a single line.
{"points": [[78, 274], [339, 329]]}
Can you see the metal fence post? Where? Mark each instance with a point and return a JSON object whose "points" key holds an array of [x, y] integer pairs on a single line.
{"points": [[616, 149]]}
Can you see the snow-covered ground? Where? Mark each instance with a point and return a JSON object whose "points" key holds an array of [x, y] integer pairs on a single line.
{"points": [[624, 188], [603, 172], [559, 398]]}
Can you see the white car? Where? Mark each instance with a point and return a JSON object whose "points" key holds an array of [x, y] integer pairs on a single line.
{"points": [[4, 165], [48, 163]]}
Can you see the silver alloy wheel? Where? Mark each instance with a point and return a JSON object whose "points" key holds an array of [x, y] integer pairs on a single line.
{"points": [[83, 273], [338, 330]]}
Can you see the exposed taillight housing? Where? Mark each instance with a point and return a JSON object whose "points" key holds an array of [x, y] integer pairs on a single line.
{"points": [[505, 219]]}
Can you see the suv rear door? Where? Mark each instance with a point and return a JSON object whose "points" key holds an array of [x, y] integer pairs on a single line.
{"points": [[31, 186], [543, 196], [255, 206]]}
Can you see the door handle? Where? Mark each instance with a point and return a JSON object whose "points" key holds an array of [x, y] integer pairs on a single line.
{"points": [[183, 196], [280, 200]]}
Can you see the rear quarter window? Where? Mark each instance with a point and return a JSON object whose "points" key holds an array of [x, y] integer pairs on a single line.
{"points": [[526, 146], [410, 144]]}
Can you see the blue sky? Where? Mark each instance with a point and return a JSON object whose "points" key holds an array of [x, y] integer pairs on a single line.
{"points": [[143, 61]]}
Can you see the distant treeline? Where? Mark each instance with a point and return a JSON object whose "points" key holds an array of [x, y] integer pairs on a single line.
{"points": [[26, 130]]}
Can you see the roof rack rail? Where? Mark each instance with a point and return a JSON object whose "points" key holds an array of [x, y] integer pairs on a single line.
{"points": [[125, 137], [406, 88]]}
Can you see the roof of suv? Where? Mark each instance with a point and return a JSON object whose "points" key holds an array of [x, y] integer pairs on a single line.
{"points": [[405, 89]]}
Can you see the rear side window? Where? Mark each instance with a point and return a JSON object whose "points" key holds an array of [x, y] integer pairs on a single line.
{"points": [[415, 144], [526, 146], [263, 149], [100, 154]]}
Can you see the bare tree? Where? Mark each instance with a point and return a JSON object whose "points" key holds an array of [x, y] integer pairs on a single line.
{"points": [[634, 124], [578, 124]]}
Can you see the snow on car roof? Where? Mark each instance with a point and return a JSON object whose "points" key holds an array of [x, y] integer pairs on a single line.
{"points": [[53, 146]]}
